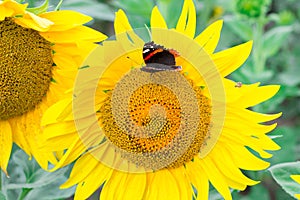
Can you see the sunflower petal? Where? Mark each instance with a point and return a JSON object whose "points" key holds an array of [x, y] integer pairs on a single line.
{"points": [[133, 186], [11, 8], [187, 20], [5, 12], [229, 60], [123, 26], [98, 176], [261, 94], [198, 178], [215, 177], [65, 19], [157, 20], [249, 115], [209, 38], [223, 161], [245, 159], [51, 115], [73, 35], [32, 21], [6, 144], [162, 185], [183, 182]]}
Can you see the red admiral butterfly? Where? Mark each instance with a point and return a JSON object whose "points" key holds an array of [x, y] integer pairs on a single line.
{"points": [[158, 58]]}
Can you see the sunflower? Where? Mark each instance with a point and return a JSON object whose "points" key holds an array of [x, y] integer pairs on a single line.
{"points": [[40, 55], [297, 179], [166, 134]]}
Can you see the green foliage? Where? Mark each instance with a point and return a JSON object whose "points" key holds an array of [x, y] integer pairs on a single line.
{"points": [[282, 172], [39, 9], [97, 10], [28, 181]]}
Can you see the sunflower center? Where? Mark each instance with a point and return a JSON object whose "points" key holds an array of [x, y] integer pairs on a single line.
{"points": [[163, 123], [25, 69]]}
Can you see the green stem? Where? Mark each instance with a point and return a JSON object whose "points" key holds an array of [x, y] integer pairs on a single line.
{"points": [[258, 54], [24, 193], [58, 5]]}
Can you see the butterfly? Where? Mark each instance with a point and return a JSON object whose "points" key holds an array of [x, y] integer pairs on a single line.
{"points": [[158, 58]]}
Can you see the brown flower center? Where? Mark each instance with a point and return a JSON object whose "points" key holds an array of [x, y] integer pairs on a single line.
{"points": [[159, 119], [25, 69]]}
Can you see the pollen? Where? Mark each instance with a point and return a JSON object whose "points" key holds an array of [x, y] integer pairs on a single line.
{"points": [[160, 119], [25, 69]]}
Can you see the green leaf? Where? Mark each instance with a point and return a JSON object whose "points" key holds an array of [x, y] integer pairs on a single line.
{"points": [[273, 39], [241, 28], [281, 173], [51, 191], [40, 9], [38, 179], [28, 181], [2, 196]]}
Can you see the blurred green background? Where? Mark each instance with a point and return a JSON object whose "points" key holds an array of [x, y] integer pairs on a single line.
{"points": [[272, 24]]}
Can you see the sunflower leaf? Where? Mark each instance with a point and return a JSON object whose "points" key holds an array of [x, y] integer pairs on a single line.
{"points": [[2, 196], [282, 172], [28, 181], [40, 9]]}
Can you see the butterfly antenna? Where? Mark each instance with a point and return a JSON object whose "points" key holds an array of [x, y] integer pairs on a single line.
{"points": [[149, 32], [133, 60]]}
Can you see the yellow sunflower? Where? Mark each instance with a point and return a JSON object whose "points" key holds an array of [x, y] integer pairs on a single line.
{"points": [[40, 55], [146, 133], [297, 179]]}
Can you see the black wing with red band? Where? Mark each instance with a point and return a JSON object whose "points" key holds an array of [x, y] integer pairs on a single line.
{"points": [[158, 58]]}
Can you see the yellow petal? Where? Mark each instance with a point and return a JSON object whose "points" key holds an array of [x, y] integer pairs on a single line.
{"points": [[296, 178], [73, 35], [124, 31], [244, 97], [32, 21], [209, 38], [187, 20], [51, 115], [198, 178], [261, 94], [183, 182], [11, 8], [229, 60], [134, 183], [157, 20], [162, 185], [251, 116], [5, 12], [81, 171], [73, 152], [222, 158], [65, 19], [98, 176], [245, 159], [215, 177], [121, 24], [6, 143]]}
